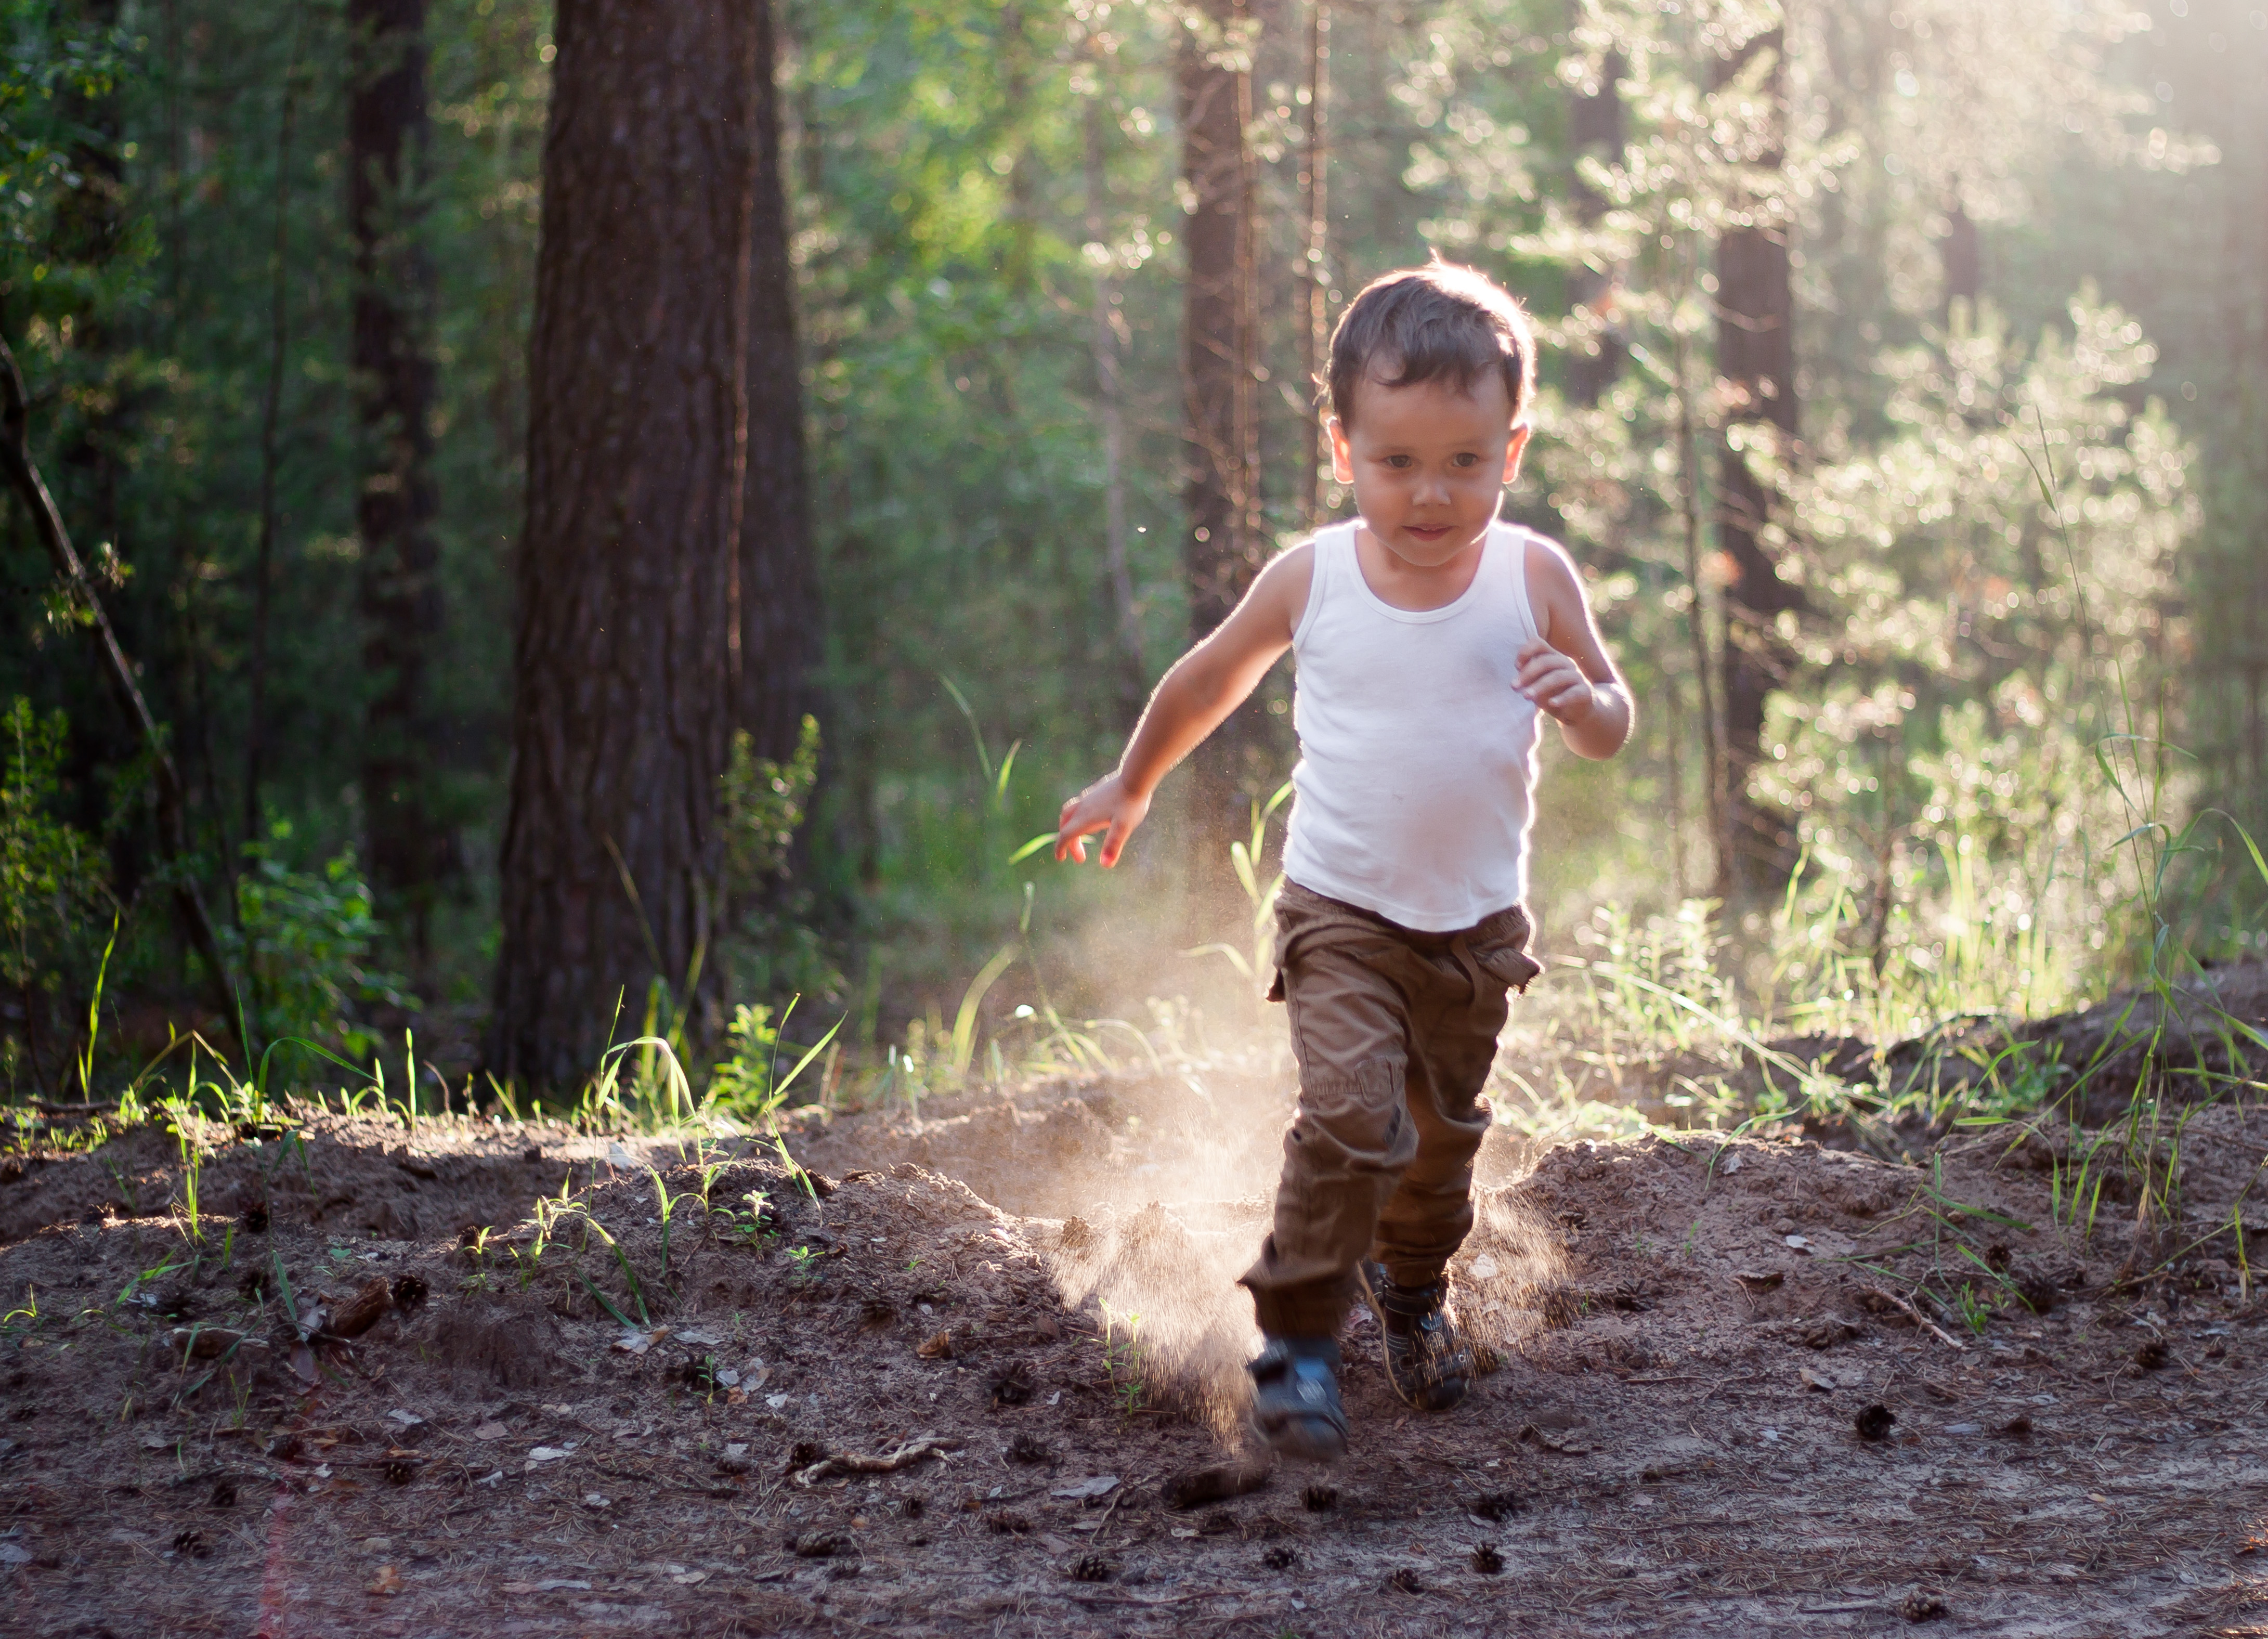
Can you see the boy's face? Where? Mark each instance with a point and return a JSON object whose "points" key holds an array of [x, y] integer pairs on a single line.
{"points": [[1428, 463]]}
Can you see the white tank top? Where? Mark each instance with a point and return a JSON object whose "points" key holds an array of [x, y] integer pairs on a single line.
{"points": [[1416, 754]]}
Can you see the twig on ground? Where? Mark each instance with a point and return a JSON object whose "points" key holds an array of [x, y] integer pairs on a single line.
{"points": [[854, 1463], [1920, 1320]]}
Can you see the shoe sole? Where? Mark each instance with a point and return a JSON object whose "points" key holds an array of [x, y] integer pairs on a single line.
{"points": [[1298, 1441], [1365, 1280]]}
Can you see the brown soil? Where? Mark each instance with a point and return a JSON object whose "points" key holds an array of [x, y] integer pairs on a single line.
{"points": [[1670, 1445]]}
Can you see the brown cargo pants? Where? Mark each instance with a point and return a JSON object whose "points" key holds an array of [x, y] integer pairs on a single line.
{"points": [[1394, 1031]]}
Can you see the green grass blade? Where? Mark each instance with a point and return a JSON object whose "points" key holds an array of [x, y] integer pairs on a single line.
{"points": [[964, 1023]]}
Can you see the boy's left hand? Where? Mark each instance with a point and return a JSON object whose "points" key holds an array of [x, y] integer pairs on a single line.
{"points": [[1554, 682]]}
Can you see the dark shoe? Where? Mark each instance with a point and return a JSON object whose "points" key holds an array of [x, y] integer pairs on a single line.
{"points": [[1427, 1360], [1295, 1400]]}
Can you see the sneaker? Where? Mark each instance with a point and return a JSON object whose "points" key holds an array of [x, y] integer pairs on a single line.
{"points": [[1427, 1360], [1295, 1401]]}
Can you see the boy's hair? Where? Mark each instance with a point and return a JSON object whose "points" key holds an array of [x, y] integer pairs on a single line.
{"points": [[1440, 322]]}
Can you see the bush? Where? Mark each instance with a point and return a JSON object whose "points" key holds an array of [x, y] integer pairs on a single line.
{"points": [[303, 942]]}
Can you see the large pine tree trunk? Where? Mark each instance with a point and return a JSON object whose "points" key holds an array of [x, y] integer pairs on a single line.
{"points": [[401, 593], [647, 455], [1755, 357], [1221, 342]]}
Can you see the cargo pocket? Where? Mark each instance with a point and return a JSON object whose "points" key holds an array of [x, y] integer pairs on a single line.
{"points": [[1500, 947]]}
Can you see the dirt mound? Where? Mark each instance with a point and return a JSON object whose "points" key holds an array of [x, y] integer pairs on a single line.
{"points": [[358, 1174], [745, 1401], [2197, 1043]]}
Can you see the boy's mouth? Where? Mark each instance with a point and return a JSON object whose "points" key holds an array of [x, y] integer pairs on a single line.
{"points": [[1426, 532]]}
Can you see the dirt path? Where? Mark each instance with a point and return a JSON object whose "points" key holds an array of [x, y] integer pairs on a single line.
{"points": [[1668, 1447]]}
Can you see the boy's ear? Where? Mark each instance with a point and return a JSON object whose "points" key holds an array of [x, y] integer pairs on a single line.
{"points": [[1342, 451], [1511, 451]]}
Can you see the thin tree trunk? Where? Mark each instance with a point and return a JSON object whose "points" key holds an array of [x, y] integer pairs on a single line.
{"points": [[401, 593], [1756, 358], [779, 617], [1222, 553], [1964, 256], [1689, 508], [1314, 269], [1109, 394], [48, 521], [662, 481], [255, 732], [1594, 128]]}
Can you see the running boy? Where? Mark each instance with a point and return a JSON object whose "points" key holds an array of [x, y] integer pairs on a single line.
{"points": [[1430, 639]]}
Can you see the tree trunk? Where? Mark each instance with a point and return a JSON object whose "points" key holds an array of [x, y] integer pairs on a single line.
{"points": [[1314, 283], [779, 623], [1110, 397], [400, 594], [264, 564], [1964, 256], [1594, 128], [1755, 357], [645, 619], [1220, 338]]}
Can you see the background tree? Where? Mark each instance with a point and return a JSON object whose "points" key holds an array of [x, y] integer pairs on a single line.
{"points": [[391, 356], [1220, 365], [1756, 361], [630, 574]]}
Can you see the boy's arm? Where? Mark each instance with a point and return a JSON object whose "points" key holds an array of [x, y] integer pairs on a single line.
{"points": [[1568, 673], [1191, 701]]}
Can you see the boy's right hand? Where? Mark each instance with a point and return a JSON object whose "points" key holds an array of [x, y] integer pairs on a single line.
{"points": [[1106, 806]]}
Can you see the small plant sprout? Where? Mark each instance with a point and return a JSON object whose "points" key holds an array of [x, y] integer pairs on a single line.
{"points": [[183, 1122], [25, 1317], [1122, 1359], [1245, 855], [1974, 1307]]}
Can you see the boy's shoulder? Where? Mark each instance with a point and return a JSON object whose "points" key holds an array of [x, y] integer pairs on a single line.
{"points": [[1544, 556]]}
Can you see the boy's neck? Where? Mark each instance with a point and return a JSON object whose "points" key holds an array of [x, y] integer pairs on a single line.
{"points": [[1398, 583]]}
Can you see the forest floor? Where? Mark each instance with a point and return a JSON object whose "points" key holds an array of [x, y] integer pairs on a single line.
{"points": [[1735, 1390]]}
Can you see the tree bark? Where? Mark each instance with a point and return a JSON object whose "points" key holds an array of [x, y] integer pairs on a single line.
{"points": [[1221, 342], [663, 489], [1756, 358], [400, 590]]}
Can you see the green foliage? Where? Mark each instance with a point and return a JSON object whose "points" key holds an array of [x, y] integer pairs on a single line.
{"points": [[763, 804], [55, 889], [304, 941], [53, 63], [742, 1080]]}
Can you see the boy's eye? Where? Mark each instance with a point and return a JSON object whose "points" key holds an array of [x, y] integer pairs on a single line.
{"points": [[1465, 458], [1397, 461]]}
